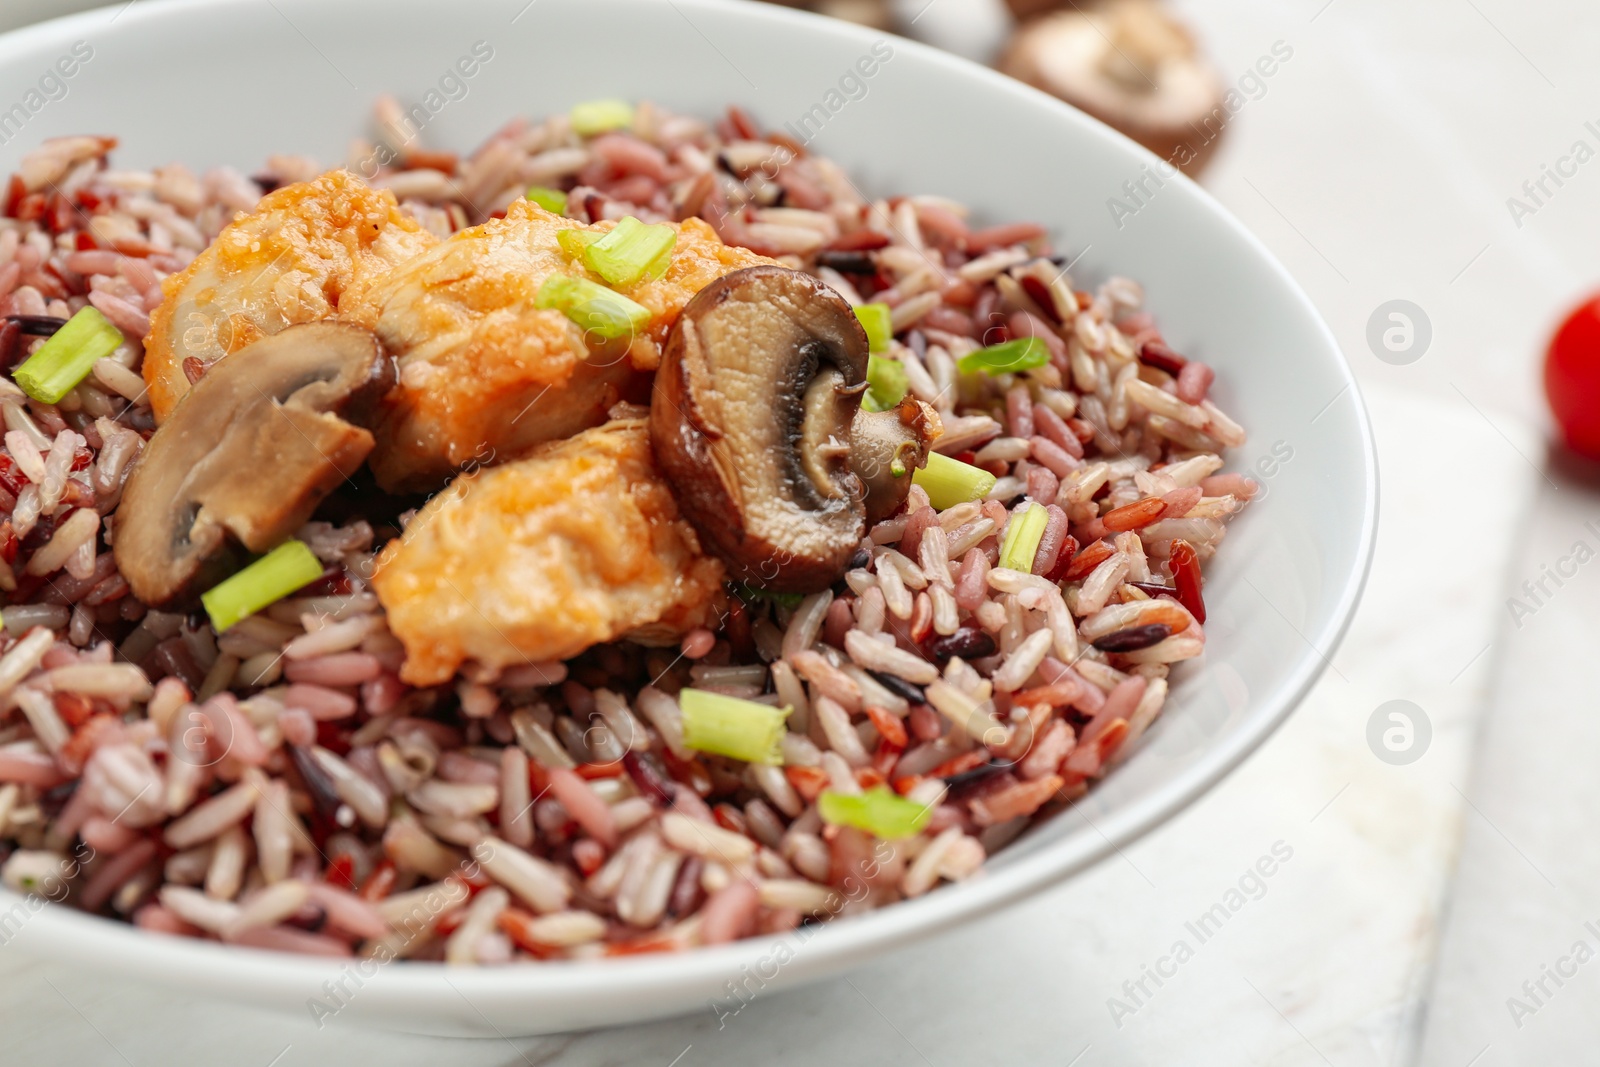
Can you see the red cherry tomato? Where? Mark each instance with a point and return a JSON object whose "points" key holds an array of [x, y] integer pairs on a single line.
{"points": [[1572, 379]]}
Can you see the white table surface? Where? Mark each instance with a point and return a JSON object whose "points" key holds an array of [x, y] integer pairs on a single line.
{"points": [[1377, 166]]}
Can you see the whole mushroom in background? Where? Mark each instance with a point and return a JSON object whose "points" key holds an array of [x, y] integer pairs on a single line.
{"points": [[878, 14], [1130, 64]]}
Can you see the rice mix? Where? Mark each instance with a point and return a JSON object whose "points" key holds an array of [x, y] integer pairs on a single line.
{"points": [[277, 786]]}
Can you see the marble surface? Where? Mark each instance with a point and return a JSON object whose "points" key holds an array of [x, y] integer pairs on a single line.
{"points": [[1377, 164]]}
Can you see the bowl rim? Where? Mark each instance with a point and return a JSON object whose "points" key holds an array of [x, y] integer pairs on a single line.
{"points": [[121, 948]]}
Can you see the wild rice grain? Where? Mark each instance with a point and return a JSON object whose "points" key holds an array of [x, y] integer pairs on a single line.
{"points": [[481, 918], [81, 526], [729, 913], [365, 799], [42, 716], [346, 668], [458, 800], [516, 801], [193, 906], [113, 874], [122, 682], [922, 874], [878, 655], [828, 679], [897, 598], [266, 907], [209, 818], [806, 623], [1021, 664], [840, 734], [531, 879], [706, 840], [775, 785], [807, 898], [586, 809], [564, 929], [972, 583], [225, 874], [273, 831], [289, 939], [698, 643]]}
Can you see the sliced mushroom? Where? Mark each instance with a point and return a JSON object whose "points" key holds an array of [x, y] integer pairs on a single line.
{"points": [[1133, 66], [886, 447], [247, 455], [751, 419]]}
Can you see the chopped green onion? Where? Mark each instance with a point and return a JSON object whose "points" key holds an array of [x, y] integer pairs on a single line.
{"points": [[949, 482], [886, 383], [875, 320], [879, 811], [266, 581], [598, 116], [1025, 353], [1021, 542], [593, 307], [728, 726], [552, 200], [753, 592], [631, 251], [66, 359], [573, 242]]}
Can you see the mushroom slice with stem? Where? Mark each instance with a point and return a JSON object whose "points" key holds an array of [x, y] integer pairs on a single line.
{"points": [[247, 455], [886, 447], [751, 419]]}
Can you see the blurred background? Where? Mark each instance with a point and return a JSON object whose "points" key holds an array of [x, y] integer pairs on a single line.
{"points": [[1427, 172]]}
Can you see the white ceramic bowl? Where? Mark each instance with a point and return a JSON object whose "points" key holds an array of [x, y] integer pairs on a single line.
{"points": [[230, 81]]}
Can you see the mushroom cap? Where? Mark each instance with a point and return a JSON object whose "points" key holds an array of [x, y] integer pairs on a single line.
{"points": [[886, 447], [1131, 65], [247, 455], [760, 381]]}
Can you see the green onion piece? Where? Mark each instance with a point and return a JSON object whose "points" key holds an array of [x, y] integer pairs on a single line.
{"points": [[875, 320], [949, 482], [1021, 542], [573, 242], [1025, 353], [266, 581], [552, 200], [879, 811], [753, 592], [598, 116], [631, 251], [886, 383], [593, 307], [732, 727], [66, 359]]}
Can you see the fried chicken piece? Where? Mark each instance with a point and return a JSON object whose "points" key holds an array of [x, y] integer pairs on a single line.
{"points": [[484, 375], [538, 559], [288, 261]]}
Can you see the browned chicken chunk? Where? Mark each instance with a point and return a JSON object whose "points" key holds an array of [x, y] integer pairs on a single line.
{"points": [[538, 559], [288, 261], [484, 374]]}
